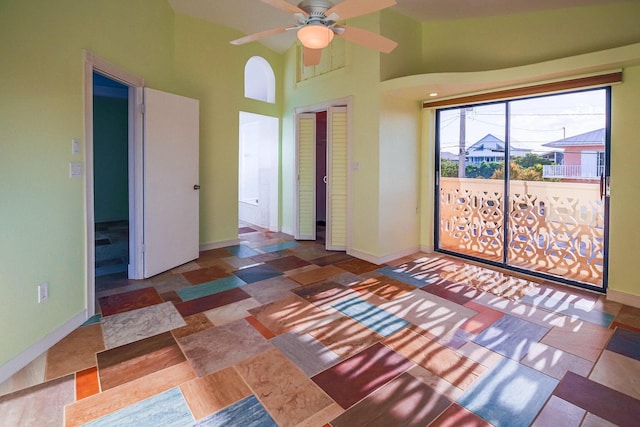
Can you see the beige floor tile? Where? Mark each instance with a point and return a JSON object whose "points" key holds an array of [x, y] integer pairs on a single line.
{"points": [[76, 351], [284, 390], [559, 413], [231, 312], [286, 314], [618, 372], [345, 336], [41, 405], [579, 338], [28, 376], [442, 361], [435, 382]]}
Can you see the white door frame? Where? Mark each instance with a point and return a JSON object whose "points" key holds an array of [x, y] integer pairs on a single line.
{"points": [[135, 83], [315, 108]]}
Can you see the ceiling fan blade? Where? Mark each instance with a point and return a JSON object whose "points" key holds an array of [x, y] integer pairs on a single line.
{"points": [[311, 56], [287, 7], [261, 35], [351, 8], [366, 38]]}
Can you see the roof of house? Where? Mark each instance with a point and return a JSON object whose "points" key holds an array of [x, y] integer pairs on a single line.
{"points": [[488, 143], [492, 146], [594, 138]]}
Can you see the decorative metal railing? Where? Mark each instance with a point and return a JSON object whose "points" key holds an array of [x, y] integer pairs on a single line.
{"points": [[572, 171], [553, 227]]}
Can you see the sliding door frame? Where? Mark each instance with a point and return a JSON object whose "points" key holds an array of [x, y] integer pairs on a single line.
{"points": [[504, 264]]}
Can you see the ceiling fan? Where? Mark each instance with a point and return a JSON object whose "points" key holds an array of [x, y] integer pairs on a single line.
{"points": [[316, 25]]}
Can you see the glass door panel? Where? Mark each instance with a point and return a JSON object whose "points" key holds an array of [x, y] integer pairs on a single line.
{"points": [[471, 185], [556, 210]]}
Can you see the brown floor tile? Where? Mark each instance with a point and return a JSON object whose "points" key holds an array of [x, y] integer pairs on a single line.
{"points": [[98, 405], [456, 416], [87, 383], [334, 258], [270, 290], [215, 391], [442, 361], [287, 263], [404, 401], [75, 352], [199, 305], [128, 301], [614, 325], [629, 316], [264, 331], [357, 266], [355, 378], [203, 275], [132, 361], [461, 297], [286, 314], [171, 296], [317, 274], [288, 395], [598, 399], [481, 321], [195, 323], [384, 287], [345, 336]]}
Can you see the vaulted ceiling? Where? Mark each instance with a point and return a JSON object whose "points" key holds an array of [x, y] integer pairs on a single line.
{"points": [[251, 16]]}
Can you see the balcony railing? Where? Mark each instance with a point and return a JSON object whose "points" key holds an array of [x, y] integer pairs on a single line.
{"points": [[572, 171]]}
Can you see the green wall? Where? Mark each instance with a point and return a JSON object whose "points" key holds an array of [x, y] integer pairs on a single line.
{"points": [[624, 220], [110, 154], [42, 214], [508, 41], [212, 70]]}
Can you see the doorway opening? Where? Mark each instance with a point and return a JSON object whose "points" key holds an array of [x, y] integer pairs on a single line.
{"points": [[110, 179], [258, 171], [322, 174]]}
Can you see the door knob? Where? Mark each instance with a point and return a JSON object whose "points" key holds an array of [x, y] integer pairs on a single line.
{"points": [[196, 187]]}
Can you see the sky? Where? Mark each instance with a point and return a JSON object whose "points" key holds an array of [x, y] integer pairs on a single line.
{"points": [[534, 121]]}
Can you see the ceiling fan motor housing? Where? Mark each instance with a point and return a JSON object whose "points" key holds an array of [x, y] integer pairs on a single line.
{"points": [[316, 9]]}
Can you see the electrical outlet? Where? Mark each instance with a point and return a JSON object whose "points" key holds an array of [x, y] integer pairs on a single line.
{"points": [[43, 292]]}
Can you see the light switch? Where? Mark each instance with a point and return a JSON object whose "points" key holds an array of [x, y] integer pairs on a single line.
{"points": [[75, 146], [75, 170]]}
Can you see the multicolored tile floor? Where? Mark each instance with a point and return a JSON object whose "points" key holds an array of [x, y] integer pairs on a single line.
{"points": [[278, 332]]}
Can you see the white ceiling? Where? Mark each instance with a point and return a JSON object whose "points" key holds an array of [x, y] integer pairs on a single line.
{"points": [[251, 16]]}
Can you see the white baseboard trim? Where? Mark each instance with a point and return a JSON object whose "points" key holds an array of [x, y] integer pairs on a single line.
{"points": [[426, 248], [381, 259], [30, 354], [216, 245], [623, 298]]}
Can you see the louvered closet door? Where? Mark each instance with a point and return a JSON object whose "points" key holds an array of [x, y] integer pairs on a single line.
{"points": [[337, 179], [306, 209]]}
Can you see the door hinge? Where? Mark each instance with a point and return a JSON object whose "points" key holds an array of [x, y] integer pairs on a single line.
{"points": [[143, 108], [607, 186], [142, 248]]}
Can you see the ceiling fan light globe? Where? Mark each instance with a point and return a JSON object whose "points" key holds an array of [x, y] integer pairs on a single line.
{"points": [[315, 36]]}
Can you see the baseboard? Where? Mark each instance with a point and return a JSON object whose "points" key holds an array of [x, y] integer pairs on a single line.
{"points": [[216, 245], [381, 259], [623, 298], [30, 354], [426, 249]]}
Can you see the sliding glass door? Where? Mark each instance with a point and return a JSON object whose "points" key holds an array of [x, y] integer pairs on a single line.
{"points": [[544, 210]]}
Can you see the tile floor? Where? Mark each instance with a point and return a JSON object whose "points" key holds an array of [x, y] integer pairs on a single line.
{"points": [[278, 332]]}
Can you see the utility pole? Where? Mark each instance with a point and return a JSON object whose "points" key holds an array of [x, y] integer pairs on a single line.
{"points": [[463, 136]]}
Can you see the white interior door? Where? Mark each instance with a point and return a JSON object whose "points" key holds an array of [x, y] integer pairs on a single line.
{"points": [[337, 137], [171, 197], [306, 171]]}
